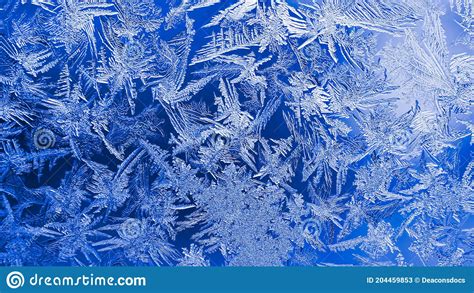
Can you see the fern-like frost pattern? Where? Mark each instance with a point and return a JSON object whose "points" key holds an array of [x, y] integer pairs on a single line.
{"points": [[236, 132]]}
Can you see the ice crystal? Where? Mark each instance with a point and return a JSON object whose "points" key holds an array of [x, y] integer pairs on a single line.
{"points": [[243, 132]]}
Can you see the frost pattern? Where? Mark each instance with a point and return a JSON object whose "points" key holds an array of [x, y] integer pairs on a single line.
{"points": [[241, 132]]}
